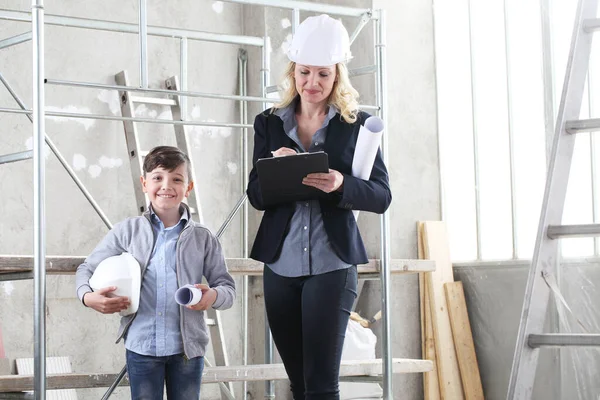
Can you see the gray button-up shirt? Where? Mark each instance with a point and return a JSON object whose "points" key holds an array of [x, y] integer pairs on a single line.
{"points": [[306, 249]]}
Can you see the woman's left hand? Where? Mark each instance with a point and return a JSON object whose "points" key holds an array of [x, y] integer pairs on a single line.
{"points": [[327, 182], [209, 296]]}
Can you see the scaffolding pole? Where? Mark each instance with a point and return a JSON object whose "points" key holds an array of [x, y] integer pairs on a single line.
{"points": [[123, 27], [388, 393], [39, 202], [243, 88], [306, 6]]}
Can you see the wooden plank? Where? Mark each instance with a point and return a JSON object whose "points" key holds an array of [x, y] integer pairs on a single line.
{"points": [[435, 240], [431, 384], [259, 372], [54, 365], [463, 341], [64, 265]]}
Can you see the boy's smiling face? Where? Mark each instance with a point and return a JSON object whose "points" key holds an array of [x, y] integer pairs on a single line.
{"points": [[167, 189]]}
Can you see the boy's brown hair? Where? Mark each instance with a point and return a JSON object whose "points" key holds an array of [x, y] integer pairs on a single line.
{"points": [[167, 157]]}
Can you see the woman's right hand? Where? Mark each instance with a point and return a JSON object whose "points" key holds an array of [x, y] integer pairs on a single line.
{"points": [[283, 151], [100, 301]]}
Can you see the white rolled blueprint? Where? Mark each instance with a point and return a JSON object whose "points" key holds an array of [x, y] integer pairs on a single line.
{"points": [[369, 139]]}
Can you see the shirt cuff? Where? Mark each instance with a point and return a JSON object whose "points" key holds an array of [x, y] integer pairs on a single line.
{"points": [[82, 290]]}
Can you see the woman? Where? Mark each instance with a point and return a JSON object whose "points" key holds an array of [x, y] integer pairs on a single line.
{"points": [[311, 248]]}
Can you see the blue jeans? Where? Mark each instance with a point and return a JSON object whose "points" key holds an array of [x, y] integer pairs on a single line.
{"points": [[308, 317], [148, 375]]}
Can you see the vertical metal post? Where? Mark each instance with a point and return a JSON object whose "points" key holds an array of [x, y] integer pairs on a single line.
{"points": [[39, 177], [511, 146], [143, 38], [295, 20], [264, 80], [475, 141], [381, 86], [243, 89], [183, 76]]}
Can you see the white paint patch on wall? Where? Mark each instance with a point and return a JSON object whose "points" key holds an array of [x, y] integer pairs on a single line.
{"points": [[143, 111], [285, 23], [106, 162], [79, 162], [94, 170], [166, 114], [110, 97], [232, 167], [286, 43], [8, 288], [195, 113], [87, 123], [29, 146], [218, 7]]}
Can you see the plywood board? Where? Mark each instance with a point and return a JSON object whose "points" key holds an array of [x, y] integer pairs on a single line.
{"points": [[436, 246], [431, 385], [463, 341]]}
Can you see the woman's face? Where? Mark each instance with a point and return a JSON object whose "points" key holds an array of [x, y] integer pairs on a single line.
{"points": [[314, 84]]}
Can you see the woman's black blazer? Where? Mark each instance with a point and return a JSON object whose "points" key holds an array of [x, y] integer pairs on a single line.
{"points": [[373, 195]]}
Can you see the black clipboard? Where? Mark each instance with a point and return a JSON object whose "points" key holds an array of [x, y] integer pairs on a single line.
{"points": [[280, 178]]}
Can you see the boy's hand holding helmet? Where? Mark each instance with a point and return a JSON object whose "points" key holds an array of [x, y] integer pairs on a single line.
{"points": [[100, 301]]}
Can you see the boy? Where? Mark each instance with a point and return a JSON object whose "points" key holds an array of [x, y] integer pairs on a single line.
{"points": [[164, 342]]}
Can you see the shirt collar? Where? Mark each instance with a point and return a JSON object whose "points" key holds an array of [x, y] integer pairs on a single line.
{"points": [[182, 210]]}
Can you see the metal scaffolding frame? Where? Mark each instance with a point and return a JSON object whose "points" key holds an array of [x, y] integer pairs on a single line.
{"points": [[38, 114]]}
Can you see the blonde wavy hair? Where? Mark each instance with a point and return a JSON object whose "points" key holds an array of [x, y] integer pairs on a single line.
{"points": [[343, 95]]}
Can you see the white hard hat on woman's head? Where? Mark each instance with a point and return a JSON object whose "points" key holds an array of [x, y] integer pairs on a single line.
{"points": [[320, 41], [123, 272]]}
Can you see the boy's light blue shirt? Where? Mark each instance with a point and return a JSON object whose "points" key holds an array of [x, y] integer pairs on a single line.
{"points": [[155, 331]]}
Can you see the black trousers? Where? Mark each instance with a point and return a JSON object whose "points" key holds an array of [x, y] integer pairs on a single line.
{"points": [[308, 317]]}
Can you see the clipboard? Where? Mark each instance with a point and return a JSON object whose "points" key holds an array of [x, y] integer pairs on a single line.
{"points": [[280, 178]]}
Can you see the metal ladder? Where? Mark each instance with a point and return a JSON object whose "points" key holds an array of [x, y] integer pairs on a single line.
{"points": [[541, 280], [128, 101]]}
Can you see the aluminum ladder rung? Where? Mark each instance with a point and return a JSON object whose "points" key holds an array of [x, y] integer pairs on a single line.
{"points": [[161, 101], [591, 25], [564, 340], [570, 231], [583, 125]]}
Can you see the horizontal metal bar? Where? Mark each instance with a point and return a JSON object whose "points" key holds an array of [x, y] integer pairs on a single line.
{"points": [[125, 27], [20, 156], [64, 265], [368, 107], [117, 118], [12, 41], [583, 125], [365, 379], [91, 85], [563, 339], [590, 25], [368, 69], [153, 100], [306, 6], [562, 231]]}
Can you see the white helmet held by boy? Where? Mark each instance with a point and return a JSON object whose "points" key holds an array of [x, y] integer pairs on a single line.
{"points": [[123, 272]]}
